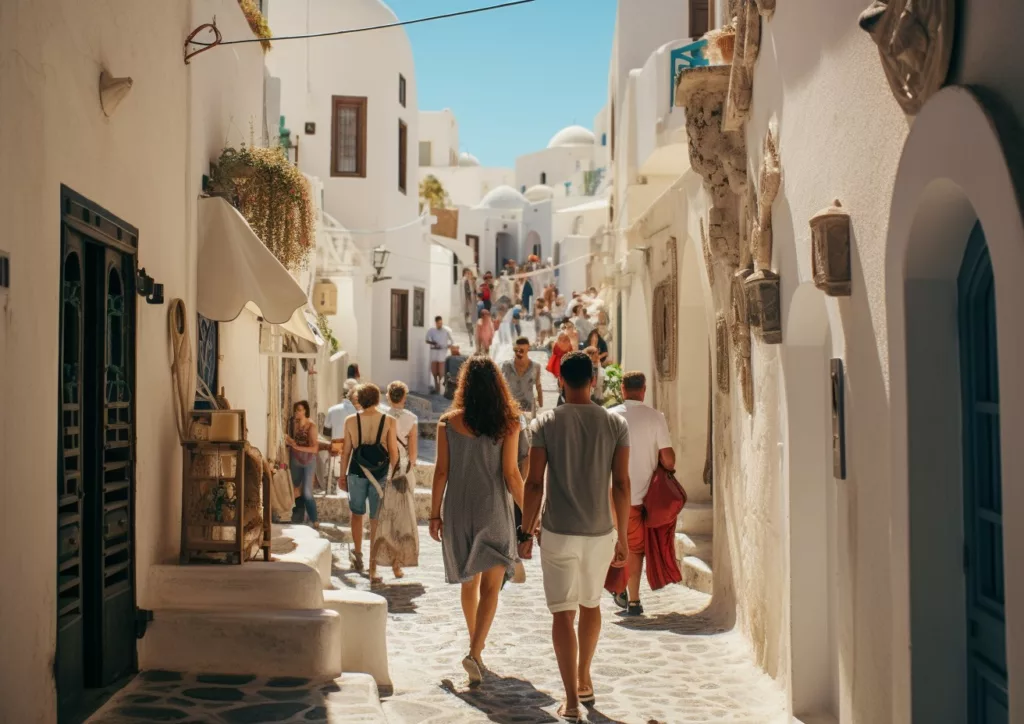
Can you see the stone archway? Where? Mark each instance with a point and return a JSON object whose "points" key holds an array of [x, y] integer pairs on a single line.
{"points": [[954, 173]]}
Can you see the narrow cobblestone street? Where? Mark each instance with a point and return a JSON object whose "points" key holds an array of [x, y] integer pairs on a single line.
{"points": [[672, 666]]}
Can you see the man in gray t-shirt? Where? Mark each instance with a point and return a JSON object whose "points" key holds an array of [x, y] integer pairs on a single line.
{"points": [[580, 446]]}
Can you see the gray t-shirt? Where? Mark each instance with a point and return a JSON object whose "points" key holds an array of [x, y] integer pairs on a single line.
{"points": [[580, 441], [523, 387]]}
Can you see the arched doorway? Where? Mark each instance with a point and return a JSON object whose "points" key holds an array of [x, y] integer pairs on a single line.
{"points": [[812, 498], [505, 249], [982, 486], [956, 413]]}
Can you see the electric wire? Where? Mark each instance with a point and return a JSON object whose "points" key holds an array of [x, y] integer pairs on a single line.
{"points": [[385, 26]]}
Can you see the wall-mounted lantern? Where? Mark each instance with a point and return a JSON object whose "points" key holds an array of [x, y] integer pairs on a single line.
{"points": [[380, 261], [764, 309], [147, 287], [830, 250], [838, 420], [325, 297]]}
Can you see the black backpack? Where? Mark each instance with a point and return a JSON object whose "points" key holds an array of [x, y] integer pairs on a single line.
{"points": [[373, 456]]}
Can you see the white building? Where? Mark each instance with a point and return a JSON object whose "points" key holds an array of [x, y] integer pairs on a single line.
{"points": [[461, 174], [858, 442], [351, 100]]}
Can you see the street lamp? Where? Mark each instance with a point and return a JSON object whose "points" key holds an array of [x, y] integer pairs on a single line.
{"points": [[380, 261]]}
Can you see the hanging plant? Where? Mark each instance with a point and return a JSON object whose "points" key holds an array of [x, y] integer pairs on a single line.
{"points": [[273, 196], [257, 22], [327, 333]]}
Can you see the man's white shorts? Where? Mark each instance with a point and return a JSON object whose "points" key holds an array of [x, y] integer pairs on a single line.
{"points": [[574, 568]]}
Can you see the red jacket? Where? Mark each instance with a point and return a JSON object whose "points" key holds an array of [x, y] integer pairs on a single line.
{"points": [[662, 505]]}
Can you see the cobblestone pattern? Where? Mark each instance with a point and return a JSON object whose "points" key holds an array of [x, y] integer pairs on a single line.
{"points": [[674, 665], [167, 696]]}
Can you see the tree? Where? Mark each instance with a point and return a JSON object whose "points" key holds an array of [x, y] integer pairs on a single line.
{"points": [[432, 193]]}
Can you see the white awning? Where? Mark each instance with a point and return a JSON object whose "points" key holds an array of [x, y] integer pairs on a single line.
{"points": [[235, 268], [462, 252], [303, 325], [589, 206]]}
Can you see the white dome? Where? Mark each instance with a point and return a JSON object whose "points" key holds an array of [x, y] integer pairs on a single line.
{"points": [[468, 159], [540, 192], [572, 136], [503, 197]]}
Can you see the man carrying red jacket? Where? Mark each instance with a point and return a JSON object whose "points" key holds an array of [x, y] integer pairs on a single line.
{"points": [[651, 446]]}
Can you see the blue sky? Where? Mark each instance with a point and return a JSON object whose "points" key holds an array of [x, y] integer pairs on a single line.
{"points": [[513, 77]]}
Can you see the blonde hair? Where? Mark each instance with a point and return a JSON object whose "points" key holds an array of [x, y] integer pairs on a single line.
{"points": [[397, 391]]}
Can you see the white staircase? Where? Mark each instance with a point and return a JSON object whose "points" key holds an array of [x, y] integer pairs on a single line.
{"points": [[266, 618], [694, 545]]}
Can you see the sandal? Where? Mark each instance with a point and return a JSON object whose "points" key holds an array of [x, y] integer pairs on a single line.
{"points": [[586, 696], [564, 712], [397, 570], [475, 671], [356, 559]]}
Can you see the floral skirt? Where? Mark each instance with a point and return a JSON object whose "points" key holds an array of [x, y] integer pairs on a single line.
{"points": [[397, 541]]}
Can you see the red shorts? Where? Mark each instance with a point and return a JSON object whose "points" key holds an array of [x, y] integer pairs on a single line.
{"points": [[637, 530]]}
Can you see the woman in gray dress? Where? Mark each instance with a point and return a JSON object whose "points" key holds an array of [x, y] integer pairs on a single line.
{"points": [[477, 476]]}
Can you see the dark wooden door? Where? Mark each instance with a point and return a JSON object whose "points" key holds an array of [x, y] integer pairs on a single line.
{"points": [[69, 665], [699, 17], [982, 483], [96, 615]]}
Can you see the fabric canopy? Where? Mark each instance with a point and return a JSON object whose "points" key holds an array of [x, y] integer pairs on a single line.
{"points": [[589, 206], [235, 268], [303, 327], [462, 252]]}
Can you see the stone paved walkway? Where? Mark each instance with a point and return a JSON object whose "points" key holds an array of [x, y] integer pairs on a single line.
{"points": [[167, 696], [673, 666]]}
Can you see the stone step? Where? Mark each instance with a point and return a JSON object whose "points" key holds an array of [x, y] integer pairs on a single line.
{"points": [[697, 519], [254, 585], [334, 508], [268, 643], [699, 546], [169, 696], [697, 574], [302, 544], [364, 643]]}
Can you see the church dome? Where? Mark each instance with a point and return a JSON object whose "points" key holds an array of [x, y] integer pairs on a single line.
{"points": [[503, 197], [540, 192], [572, 136], [468, 159]]}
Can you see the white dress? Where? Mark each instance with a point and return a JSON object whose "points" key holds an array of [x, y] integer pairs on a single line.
{"points": [[397, 539]]}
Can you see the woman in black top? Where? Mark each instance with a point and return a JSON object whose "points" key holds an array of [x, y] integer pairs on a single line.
{"points": [[594, 340]]}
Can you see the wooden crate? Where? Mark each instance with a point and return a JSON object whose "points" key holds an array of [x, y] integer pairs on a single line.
{"points": [[213, 496]]}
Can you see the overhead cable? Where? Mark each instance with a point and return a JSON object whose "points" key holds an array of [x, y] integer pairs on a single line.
{"points": [[385, 26]]}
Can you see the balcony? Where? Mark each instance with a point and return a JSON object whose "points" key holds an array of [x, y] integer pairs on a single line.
{"points": [[447, 223], [661, 142]]}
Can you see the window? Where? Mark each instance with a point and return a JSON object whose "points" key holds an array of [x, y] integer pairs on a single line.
{"points": [[417, 307], [401, 89], [604, 139], [403, 142], [399, 324], [348, 136], [522, 189], [426, 153], [699, 17], [543, 177], [455, 270], [473, 242], [207, 355]]}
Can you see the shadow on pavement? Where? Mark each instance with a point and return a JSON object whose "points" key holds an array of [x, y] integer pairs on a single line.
{"points": [[676, 623], [507, 700], [400, 596]]}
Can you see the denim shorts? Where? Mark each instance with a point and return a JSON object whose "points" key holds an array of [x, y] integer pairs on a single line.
{"points": [[359, 490]]}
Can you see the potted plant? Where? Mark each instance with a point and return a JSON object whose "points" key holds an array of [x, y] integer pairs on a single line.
{"points": [[722, 45], [273, 196]]}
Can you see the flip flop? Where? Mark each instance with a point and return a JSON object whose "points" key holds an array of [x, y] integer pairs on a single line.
{"points": [[568, 714], [472, 667], [586, 696]]}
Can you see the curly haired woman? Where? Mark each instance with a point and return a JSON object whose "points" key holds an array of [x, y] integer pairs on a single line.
{"points": [[477, 476]]}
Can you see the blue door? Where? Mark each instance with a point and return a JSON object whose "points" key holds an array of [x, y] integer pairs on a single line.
{"points": [[983, 509]]}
